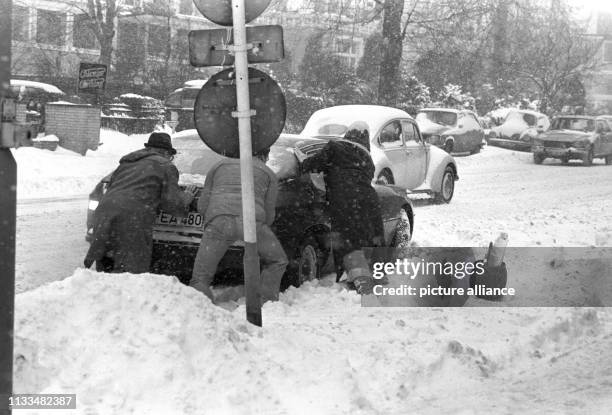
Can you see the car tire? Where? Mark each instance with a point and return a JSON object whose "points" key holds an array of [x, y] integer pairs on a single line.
{"points": [[403, 231], [476, 150], [587, 160], [447, 188], [448, 146], [385, 177], [538, 158], [565, 160], [306, 265], [609, 160]]}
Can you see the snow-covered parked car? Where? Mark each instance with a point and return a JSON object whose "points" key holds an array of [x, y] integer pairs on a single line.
{"points": [[575, 137], [301, 224], [519, 129], [400, 154], [455, 131]]}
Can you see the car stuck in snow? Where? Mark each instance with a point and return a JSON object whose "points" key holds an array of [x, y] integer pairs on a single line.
{"points": [[301, 224]]}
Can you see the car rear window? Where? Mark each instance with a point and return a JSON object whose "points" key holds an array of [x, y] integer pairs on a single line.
{"points": [[193, 157], [576, 124], [438, 117]]}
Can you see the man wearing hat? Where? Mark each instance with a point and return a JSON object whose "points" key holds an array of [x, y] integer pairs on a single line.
{"points": [[145, 181]]}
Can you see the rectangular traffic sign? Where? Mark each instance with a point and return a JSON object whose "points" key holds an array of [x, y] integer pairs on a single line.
{"points": [[213, 47]]}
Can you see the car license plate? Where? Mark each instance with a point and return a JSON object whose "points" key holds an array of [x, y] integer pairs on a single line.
{"points": [[195, 220]]}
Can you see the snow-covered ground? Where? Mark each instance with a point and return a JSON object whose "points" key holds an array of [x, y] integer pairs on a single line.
{"points": [[145, 344]]}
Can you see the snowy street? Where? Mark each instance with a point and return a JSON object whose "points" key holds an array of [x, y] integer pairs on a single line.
{"points": [[319, 350]]}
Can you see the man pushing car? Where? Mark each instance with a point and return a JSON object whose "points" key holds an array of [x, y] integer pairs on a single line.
{"points": [[145, 182]]}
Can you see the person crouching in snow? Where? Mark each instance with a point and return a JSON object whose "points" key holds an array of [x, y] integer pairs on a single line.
{"points": [[355, 214], [145, 181], [221, 205]]}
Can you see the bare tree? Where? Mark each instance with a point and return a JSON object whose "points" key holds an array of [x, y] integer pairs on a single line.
{"points": [[550, 51]]}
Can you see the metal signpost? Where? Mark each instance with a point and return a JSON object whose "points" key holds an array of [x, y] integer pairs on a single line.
{"points": [[215, 114], [8, 212]]}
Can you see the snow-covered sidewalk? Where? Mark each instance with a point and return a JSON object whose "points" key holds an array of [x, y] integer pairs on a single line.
{"points": [[148, 345]]}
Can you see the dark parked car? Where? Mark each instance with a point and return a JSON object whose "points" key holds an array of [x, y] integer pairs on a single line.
{"points": [[455, 131], [301, 224], [180, 103], [575, 137]]}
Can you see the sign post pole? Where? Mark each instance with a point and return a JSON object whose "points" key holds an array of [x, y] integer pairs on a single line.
{"points": [[243, 113], [8, 213]]}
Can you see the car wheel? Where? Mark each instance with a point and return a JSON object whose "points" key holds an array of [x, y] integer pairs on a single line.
{"points": [[538, 158], [448, 186], [385, 177], [476, 150], [587, 160], [306, 265], [403, 231], [448, 146], [608, 160], [565, 160]]}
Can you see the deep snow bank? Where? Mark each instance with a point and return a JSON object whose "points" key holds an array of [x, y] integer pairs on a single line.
{"points": [[61, 173], [145, 344]]}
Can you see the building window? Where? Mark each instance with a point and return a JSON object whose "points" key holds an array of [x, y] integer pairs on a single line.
{"points": [[82, 33], [186, 7], [21, 23], [158, 40], [50, 27], [607, 52]]}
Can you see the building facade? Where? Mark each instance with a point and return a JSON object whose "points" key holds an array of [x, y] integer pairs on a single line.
{"points": [[150, 47], [599, 86]]}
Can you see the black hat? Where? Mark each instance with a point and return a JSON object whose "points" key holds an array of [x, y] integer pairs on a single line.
{"points": [[160, 140]]}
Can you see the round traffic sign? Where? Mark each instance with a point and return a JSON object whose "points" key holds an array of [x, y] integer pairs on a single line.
{"points": [[217, 100], [220, 11]]}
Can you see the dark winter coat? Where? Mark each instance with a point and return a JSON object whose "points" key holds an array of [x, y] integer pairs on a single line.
{"points": [[144, 182], [353, 203]]}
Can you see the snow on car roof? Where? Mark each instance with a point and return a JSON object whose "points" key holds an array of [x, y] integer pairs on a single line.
{"points": [[52, 89], [195, 83], [373, 115], [521, 111], [456, 111], [136, 96]]}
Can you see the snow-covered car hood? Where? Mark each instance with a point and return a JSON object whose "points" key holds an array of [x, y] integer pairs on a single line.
{"points": [[566, 135]]}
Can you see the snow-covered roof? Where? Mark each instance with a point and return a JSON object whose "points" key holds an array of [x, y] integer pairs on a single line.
{"points": [[374, 115], [52, 89]]}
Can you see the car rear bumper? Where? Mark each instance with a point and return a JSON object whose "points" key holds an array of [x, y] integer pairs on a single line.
{"points": [[560, 153], [174, 258]]}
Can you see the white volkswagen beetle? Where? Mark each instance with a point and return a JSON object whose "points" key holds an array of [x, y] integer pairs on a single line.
{"points": [[400, 155]]}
